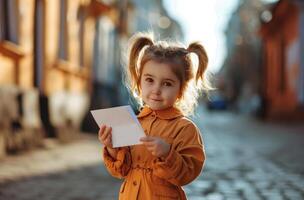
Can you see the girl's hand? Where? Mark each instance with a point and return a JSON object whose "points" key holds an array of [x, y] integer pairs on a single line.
{"points": [[157, 146], [105, 136]]}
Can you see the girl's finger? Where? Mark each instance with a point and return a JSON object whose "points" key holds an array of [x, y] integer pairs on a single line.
{"points": [[147, 139], [153, 152], [108, 141], [101, 130], [108, 129], [107, 132], [151, 149], [149, 144], [104, 135]]}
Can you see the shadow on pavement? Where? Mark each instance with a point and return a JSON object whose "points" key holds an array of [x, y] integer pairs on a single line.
{"points": [[86, 183]]}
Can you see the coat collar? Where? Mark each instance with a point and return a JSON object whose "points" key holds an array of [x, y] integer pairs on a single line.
{"points": [[168, 113]]}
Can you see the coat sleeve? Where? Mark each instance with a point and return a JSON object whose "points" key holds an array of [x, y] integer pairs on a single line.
{"points": [[185, 159], [119, 166]]}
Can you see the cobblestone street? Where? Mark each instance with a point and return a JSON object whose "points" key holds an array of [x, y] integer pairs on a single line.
{"points": [[246, 159]]}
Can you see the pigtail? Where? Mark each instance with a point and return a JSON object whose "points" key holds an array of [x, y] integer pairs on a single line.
{"points": [[200, 51], [137, 43], [201, 78]]}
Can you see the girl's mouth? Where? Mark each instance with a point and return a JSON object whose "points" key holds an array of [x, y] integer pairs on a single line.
{"points": [[156, 99]]}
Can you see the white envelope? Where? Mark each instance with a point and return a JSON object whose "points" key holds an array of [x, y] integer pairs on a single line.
{"points": [[126, 129]]}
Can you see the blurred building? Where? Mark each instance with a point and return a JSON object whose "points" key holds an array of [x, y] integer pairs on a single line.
{"points": [[152, 16], [106, 75], [240, 76], [46, 52], [282, 32]]}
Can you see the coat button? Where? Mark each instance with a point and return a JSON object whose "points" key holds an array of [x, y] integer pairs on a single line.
{"points": [[153, 115], [134, 183]]}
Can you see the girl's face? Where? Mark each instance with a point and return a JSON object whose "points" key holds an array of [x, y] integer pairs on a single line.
{"points": [[160, 87]]}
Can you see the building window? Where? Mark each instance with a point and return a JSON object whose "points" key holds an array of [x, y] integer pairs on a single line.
{"points": [[62, 52], [9, 21], [38, 44], [81, 20]]}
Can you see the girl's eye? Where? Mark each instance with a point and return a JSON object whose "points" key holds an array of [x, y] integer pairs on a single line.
{"points": [[167, 84], [149, 80]]}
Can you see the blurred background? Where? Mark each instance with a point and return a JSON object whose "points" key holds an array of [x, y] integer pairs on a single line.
{"points": [[59, 59]]}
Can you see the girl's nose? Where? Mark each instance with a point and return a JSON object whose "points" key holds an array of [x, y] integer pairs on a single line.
{"points": [[157, 89]]}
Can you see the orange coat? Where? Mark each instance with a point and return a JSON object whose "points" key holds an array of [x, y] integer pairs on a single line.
{"points": [[147, 177]]}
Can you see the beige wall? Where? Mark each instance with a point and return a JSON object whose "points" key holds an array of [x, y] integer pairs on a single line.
{"points": [[25, 14], [7, 69], [69, 75], [26, 39]]}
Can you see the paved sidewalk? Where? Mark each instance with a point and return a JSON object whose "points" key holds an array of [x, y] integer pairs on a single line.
{"points": [[72, 171]]}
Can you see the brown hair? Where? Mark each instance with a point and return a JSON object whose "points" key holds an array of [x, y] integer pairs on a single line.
{"points": [[142, 49]]}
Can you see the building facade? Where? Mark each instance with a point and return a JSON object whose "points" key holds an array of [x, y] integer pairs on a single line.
{"points": [[240, 76], [283, 59], [46, 53]]}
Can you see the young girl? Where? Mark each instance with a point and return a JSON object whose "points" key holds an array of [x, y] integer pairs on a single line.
{"points": [[165, 82]]}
